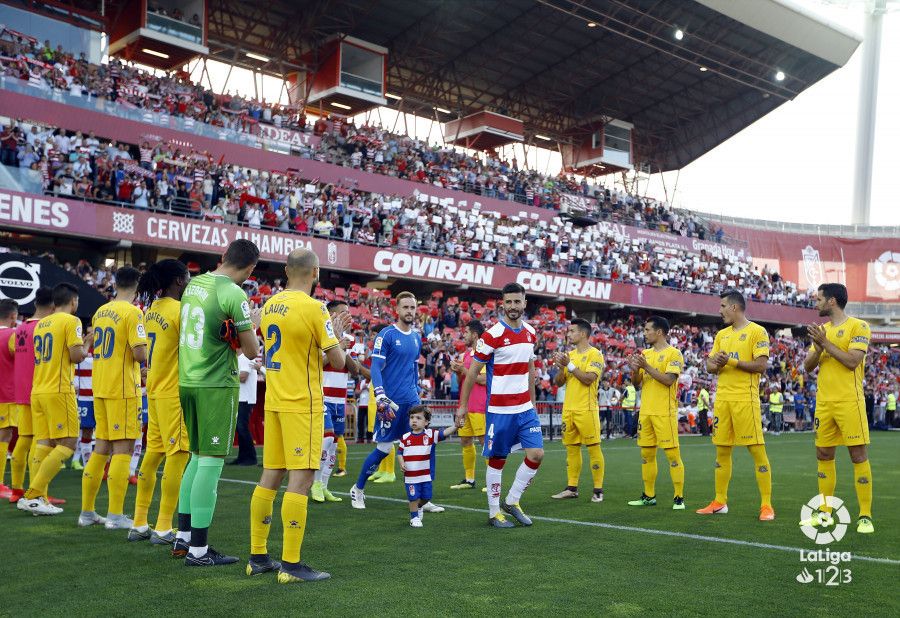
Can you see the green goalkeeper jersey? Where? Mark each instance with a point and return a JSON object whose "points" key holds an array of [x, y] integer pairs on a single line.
{"points": [[204, 359]]}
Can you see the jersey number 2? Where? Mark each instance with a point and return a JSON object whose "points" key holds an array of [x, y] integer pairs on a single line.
{"points": [[273, 333]]}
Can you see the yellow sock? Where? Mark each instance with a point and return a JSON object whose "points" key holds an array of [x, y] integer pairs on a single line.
{"points": [[32, 454], [4, 449], [49, 469], [676, 470], [598, 465], [648, 469], [573, 464], [763, 473], [468, 454], [827, 481], [91, 479], [146, 485], [862, 476], [293, 520], [38, 453], [261, 506], [169, 488], [341, 453], [723, 473], [387, 464], [20, 462], [117, 483]]}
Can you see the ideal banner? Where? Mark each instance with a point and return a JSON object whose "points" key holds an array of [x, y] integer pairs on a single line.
{"points": [[869, 267], [85, 219], [22, 275]]}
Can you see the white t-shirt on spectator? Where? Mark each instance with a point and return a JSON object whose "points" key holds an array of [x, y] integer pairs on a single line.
{"points": [[247, 392]]}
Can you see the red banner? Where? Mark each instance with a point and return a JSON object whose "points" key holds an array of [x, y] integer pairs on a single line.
{"points": [[69, 217], [869, 267]]}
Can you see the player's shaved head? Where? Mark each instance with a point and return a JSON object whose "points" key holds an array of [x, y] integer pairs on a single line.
{"points": [[301, 263]]}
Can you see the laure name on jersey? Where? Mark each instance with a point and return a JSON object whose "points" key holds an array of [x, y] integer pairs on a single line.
{"points": [[108, 313], [154, 316], [279, 308]]}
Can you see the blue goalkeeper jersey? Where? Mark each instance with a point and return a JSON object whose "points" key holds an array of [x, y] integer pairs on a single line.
{"points": [[395, 364]]}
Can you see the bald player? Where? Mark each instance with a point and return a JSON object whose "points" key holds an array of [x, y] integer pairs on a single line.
{"points": [[300, 336]]}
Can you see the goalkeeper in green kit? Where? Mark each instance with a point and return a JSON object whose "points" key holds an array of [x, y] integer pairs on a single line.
{"points": [[216, 322]]}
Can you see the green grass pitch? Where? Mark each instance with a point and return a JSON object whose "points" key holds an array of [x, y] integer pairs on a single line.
{"points": [[456, 565]]}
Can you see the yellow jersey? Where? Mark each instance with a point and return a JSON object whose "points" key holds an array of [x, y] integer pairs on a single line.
{"points": [[297, 329], [745, 344], [657, 399], [54, 371], [162, 321], [579, 396], [836, 382], [118, 327]]}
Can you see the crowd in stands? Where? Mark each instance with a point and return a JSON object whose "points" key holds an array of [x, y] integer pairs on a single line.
{"points": [[163, 176], [442, 319], [371, 148]]}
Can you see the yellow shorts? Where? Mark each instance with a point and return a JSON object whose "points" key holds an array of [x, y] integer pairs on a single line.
{"points": [[25, 419], [55, 416], [659, 431], [841, 423], [737, 423], [474, 425], [8, 415], [370, 418], [580, 427], [293, 440], [117, 419], [166, 431]]}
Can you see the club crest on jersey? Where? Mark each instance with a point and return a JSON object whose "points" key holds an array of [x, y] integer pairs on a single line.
{"points": [[840, 333], [743, 337], [425, 441]]}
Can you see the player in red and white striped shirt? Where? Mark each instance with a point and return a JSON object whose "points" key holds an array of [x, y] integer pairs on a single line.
{"points": [[507, 349], [416, 455], [85, 395]]}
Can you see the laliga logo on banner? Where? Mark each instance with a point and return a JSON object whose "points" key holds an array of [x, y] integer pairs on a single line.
{"points": [[16, 287], [887, 271]]}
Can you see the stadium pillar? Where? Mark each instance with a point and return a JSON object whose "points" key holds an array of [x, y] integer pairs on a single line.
{"points": [[868, 101]]}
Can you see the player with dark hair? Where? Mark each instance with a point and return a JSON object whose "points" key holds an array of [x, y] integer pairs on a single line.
{"points": [[9, 313], [580, 371], [656, 370], [416, 454], [215, 321], [160, 289], [120, 345], [30, 448], [839, 349], [507, 349], [474, 426], [58, 347], [739, 356]]}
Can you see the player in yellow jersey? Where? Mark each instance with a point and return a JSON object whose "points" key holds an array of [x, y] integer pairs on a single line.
{"points": [[160, 289], [739, 355], [655, 371], [580, 371], [120, 345], [839, 351], [297, 330], [58, 347]]}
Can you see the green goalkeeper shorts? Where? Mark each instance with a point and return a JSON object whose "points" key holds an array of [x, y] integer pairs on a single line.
{"points": [[210, 415]]}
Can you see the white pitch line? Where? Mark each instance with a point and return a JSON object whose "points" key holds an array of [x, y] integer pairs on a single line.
{"points": [[597, 524]]}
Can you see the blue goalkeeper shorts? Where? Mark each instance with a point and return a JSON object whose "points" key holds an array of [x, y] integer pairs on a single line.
{"points": [[86, 414], [389, 431]]}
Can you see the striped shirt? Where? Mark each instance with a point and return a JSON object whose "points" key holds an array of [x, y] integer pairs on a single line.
{"points": [[416, 450], [507, 353], [84, 388], [334, 385]]}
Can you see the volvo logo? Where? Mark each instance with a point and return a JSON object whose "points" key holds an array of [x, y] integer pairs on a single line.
{"points": [[19, 281]]}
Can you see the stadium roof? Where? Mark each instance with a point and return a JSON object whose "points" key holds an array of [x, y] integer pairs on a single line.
{"points": [[559, 64]]}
